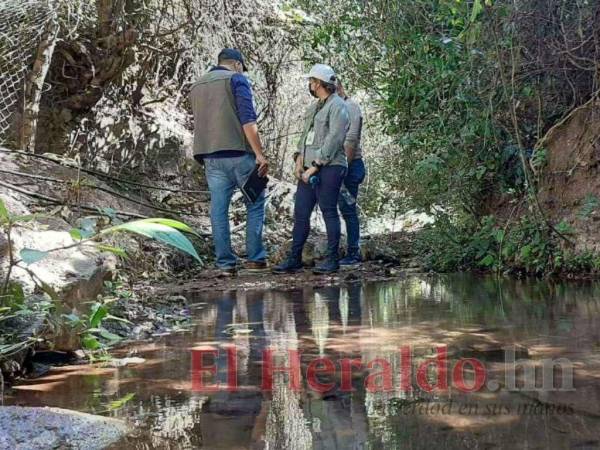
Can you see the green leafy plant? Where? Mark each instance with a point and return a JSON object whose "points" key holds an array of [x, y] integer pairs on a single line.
{"points": [[94, 336]]}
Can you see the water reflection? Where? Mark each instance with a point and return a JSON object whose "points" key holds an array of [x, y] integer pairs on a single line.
{"points": [[473, 317]]}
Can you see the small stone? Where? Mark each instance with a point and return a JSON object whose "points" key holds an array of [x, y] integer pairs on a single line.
{"points": [[122, 362]]}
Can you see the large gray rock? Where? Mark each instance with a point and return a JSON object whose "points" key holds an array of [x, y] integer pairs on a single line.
{"points": [[77, 274], [24, 428]]}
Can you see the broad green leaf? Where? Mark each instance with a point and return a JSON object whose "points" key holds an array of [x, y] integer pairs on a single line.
{"points": [[116, 319], [477, 8], [487, 261], [31, 256], [76, 234], [108, 335], [160, 232], [114, 250], [99, 312], [499, 235], [168, 222], [173, 224], [3, 212], [90, 342], [9, 349]]}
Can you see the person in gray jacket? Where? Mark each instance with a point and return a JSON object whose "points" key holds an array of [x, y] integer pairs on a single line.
{"points": [[320, 169]]}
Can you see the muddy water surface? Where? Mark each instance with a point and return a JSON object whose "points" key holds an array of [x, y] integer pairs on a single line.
{"points": [[521, 361]]}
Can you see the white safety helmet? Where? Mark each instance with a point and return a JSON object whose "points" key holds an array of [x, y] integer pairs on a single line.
{"points": [[322, 72]]}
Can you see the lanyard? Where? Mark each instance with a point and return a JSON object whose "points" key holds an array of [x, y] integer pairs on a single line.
{"points": [[312, 126]]}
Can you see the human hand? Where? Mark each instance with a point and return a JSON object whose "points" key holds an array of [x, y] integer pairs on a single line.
{"points": [[309, 173], [263, 165], [299, 168]]}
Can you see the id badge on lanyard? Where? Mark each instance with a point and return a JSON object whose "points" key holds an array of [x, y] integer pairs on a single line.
{"points": [[310, 137]]}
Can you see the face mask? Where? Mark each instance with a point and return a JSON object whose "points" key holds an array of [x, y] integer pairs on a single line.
{"points": [[313, 93]]}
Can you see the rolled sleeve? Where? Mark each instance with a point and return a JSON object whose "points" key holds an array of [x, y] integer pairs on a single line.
{"points": [[244, 101], [339, 122]]}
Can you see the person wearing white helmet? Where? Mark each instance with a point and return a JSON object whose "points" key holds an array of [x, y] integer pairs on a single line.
{"points": [[320, 169]]}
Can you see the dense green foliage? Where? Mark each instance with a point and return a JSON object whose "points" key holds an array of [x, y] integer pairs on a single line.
{"points": [[467, 91]]}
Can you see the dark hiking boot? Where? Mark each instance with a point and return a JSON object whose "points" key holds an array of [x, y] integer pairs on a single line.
{"points": [[327, 266], [351, 260], [290, 265]]}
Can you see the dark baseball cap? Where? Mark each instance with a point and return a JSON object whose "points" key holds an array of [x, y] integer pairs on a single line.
{"points": [[232, 53]]}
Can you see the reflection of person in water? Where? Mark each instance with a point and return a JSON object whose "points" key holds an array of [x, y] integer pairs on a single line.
{"points": [[338, 417], [242, 312], [286, 426]]}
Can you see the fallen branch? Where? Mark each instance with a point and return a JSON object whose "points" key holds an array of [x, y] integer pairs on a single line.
{"points": [[100, 188], [100, 174], [56, 201]]}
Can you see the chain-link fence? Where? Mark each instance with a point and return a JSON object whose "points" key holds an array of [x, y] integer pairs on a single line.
{"points": [[22, 24]]}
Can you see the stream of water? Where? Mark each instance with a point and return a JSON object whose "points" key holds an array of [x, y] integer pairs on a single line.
{"points": [[446, 362]]}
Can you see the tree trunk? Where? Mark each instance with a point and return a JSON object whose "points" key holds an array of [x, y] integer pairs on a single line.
{"points": [[35, 84]]}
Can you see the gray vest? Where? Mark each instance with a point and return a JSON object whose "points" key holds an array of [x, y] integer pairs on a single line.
{"points": [[216, 124]]}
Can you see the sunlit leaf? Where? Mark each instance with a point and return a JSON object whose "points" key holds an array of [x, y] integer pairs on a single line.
{"points": [[117, 319], [99, 312], [3, 212], [160, 232], [109, 336], [76, 234], [114, 250], [90, 342], [173, 224], [477, 9], [31, 256]]}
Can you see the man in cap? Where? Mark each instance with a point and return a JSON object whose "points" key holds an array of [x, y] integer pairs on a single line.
{"points": [[354, 177], [227, 142], [320, 169]]}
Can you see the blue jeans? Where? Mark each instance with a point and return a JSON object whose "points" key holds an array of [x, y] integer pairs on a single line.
{"points": [[326, 193], [355, 176], [223, 176]]}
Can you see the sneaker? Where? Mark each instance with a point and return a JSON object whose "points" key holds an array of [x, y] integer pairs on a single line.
{"points": [[255, 266], [290, 265], [327, 266], [350, 260]]}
